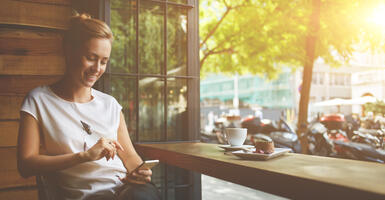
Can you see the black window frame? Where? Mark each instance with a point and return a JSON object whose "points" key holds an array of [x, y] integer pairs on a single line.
{"points": [[101, 9]]}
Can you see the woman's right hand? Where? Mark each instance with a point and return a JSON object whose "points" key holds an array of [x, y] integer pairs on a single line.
{"points": [[103, 148]]}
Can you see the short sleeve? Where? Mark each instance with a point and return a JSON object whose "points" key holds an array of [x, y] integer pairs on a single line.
{"points": [[117, 105], [30, 106]]}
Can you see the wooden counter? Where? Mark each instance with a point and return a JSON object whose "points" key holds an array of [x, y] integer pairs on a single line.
{"points": [[292, 175]]}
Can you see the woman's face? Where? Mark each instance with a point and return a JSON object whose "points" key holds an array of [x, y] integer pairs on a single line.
{"points": [[89, 62]]}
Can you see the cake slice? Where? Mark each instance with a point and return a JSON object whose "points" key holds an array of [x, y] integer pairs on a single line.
{"points": [[263, 146]]}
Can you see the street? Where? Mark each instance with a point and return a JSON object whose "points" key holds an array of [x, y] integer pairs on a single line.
{"points": [[213, 188]]}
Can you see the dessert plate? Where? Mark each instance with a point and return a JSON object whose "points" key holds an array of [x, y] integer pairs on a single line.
{"points": [[228, 147], [260, 156]]}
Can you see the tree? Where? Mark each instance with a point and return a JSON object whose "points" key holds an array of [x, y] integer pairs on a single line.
{"points": [[249, 36], [377, 107], [260, 36]]}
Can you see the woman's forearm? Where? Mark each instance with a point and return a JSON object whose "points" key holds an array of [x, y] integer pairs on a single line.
{"points": [[130, 161], [40, 164]]}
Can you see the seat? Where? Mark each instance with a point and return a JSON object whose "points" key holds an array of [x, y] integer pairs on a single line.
{"points": [[46, 191]]}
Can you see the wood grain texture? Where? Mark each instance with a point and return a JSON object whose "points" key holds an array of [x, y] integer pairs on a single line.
{"points": [[41, 13], [19, 193], [9, 160], [32, 65], [10, 106], [21, 85], [31, 52], [8, 133], [30, 42], [10, 177], [53, 2], [294, 176]]}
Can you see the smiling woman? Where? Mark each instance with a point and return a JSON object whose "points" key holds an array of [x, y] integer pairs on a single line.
{"points": [[81, 130]]}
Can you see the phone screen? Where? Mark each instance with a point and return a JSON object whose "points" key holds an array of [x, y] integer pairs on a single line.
{"points": [[147, 164]]}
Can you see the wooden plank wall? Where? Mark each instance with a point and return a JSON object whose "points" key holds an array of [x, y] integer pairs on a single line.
{"points": [[30, 55]]}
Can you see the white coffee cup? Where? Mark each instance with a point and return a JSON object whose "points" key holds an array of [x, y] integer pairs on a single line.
{"points": [[236, 136]]}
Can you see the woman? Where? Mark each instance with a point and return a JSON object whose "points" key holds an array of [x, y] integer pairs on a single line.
{"points": [[73, 134]]}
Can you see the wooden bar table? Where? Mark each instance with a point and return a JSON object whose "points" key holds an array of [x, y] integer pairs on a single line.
{"points": [[295, 176]]}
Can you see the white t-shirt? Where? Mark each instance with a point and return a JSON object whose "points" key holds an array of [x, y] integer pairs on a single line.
{"points": [[62, 133]]}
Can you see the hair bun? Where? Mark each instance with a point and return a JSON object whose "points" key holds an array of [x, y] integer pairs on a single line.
{"points": [[84, 16], [83, 27], [80, 16]]}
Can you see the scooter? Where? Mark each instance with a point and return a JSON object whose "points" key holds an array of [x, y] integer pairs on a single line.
{"points": [[282, 135], [372, 137], [358, 151], [322, 135], [318, 140]]}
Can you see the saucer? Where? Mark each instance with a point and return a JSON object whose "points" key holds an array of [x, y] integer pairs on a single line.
{"points": [[228, 147], [261, 156]]}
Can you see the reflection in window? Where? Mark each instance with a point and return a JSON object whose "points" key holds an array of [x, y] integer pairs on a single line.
{"points": [[151, 109], [151, 37], [124, 90], [148, 57], [124, 46], [176, 41], [176, 108]]}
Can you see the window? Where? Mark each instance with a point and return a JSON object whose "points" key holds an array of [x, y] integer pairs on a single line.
{"points": [[154, 74], [321, 77]]}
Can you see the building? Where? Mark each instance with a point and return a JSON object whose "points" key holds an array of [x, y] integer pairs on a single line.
{"points": [[362, 75], [251, 90]]}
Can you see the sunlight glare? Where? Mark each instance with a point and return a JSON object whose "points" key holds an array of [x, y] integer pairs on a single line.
{"points": [[378, 16]]}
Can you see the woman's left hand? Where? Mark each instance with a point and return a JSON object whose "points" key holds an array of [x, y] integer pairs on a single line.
{"points": [[141, 176]]}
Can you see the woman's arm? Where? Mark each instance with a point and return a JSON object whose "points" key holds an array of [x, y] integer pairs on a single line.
{"points": [[130, 158], [30, 162]]}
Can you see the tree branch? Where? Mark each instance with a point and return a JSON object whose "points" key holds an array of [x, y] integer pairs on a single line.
{"points": [[215, 27], [212, 52]]}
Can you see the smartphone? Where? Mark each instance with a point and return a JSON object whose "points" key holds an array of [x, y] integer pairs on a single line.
{"points": [[147, 164]]}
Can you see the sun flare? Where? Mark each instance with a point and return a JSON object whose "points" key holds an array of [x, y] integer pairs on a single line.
{"points": [[378, 16]]}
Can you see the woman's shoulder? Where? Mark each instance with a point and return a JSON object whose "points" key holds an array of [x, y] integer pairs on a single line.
{"points": [[103, 96], [38, 91]]}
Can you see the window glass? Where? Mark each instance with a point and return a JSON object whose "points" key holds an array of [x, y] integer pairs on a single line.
{"points": [[124, 46], [321, 78], [151, 37], [176, 41], [158, 177], [178, 184], [176, 108], [143, 39], [124, 90], [151, 109]]}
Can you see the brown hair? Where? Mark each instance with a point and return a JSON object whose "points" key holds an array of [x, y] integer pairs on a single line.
{"points": [[82, 28]]}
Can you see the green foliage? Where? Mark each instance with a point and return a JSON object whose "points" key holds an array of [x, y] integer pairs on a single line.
{"points": [[259, 37], [123, 26], [143, 53], [377, 108]]}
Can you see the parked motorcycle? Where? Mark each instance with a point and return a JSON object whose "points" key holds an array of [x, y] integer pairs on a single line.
{"points": [[322, 134], [279, 132], [318, 140], [372, 137], [216, 136], [358, 151]]}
